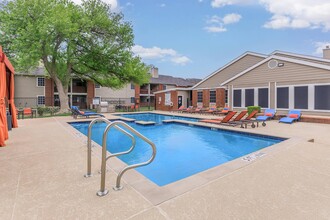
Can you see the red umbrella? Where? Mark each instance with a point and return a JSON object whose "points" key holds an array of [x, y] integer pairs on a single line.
{"points": [[6, 91]]}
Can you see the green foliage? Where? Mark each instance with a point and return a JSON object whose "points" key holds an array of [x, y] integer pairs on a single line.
{"points": [[47, 109], [86, 41], [252, 108]]}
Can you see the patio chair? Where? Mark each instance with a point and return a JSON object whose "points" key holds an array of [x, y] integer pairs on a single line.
{"points": [[248, 120], [210, 110], [76, 112], [268, 114], [27, 111], [224, 120], [293, 115]]}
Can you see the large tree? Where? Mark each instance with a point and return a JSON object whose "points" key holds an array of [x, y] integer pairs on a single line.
{"points": [[86, 41]]}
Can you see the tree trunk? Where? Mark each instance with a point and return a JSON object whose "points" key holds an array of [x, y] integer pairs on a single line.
{"points": [[63, 95]]}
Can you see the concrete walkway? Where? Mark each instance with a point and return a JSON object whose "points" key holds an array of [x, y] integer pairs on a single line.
{"points": [[43, 164]]}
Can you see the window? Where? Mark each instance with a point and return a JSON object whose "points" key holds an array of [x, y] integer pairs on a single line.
{"points": [[263, 98], [249, 97], [213, 97], [97, 86], [301, 97], [226, 96], [322, 97], [164, 87], [199, 96], [132, 86], [282, 98], [132, 99], [41, 100], [40, 81], [237, 98]]}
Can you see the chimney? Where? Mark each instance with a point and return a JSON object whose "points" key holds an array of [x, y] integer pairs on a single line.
{"points": [[154, 72], [326, 52]]}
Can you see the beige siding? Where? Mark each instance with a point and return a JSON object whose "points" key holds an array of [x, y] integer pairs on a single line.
{"points": [[27, 91], [290, 72], [302, 58], [230, 71], [124, 93], [26, 86]]}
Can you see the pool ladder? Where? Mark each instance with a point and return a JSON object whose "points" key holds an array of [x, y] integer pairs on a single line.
{"points": [[103, 191]]}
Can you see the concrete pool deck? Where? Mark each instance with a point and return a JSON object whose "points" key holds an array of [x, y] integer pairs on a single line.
{"points": [[43, 164]]}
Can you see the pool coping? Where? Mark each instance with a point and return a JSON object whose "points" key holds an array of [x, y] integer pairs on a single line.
{"points": [[157, 195]]}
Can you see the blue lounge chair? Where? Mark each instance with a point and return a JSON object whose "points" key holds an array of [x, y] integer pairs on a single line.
{"points": [[293, 115], [76, 112], [268, 114]]}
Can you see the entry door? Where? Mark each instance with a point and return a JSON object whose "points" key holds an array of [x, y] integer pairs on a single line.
{"points": [[179, 101]]}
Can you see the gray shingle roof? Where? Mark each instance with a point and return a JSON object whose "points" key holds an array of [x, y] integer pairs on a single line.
{"points": [[39, 71], [170, 80]]}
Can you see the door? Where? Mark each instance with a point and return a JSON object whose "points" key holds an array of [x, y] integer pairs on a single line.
{"points": [[179, 101]]}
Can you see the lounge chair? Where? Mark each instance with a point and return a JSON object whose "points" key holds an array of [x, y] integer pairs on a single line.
{"points": [[224, 111], [182, 108], [224, 120], [188, 110], [76, 112], [268, 114], [197, 110], [293, 115], [210, 110], [248, 120]]}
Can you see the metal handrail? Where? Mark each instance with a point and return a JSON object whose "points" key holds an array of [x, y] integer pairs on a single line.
{"points": [[89, 143], [103, 191]]}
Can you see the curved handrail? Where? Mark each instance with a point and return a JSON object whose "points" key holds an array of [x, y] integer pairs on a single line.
{"points": [[89, 142], [103, 191]]}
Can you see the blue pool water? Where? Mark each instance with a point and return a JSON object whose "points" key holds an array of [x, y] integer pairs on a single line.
{"points": [[158, 118], [182, 150]]}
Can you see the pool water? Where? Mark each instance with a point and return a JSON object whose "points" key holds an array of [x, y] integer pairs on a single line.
{"points": [[182, 150], [158, 118]]}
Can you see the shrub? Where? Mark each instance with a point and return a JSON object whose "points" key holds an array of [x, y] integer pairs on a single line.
{"points": [[252, 108], [41, 110]]}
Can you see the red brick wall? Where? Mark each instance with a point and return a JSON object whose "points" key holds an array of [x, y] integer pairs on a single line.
{"points": [[161, 106], [49, 92], [90, 92], [137, 93], [220, 93], [206, 98], [194, 98]]}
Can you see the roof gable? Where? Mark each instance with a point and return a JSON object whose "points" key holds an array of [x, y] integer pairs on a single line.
{"points": [[228, 65], [296, 61]]}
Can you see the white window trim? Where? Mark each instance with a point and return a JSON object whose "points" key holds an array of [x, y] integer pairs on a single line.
{"points": [[38, 100], [38, 81], [256, 95], [311, 97]]}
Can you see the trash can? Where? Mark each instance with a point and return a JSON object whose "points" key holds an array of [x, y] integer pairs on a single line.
{"points": [[9, 124]]}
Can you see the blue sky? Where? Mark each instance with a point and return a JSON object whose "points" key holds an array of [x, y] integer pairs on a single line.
{"points": [[193, 38]]}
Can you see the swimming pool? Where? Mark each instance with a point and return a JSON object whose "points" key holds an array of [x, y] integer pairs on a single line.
{"points": [[182, 150], [158, 118]]}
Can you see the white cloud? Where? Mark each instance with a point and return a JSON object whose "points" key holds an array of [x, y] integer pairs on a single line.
{"points": [[113, 3], [159, 53], [200, 0], [231, 18], [320, 46], [217, 24], [163, 5], [222, 3], [298, 14], [215, 29]]}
